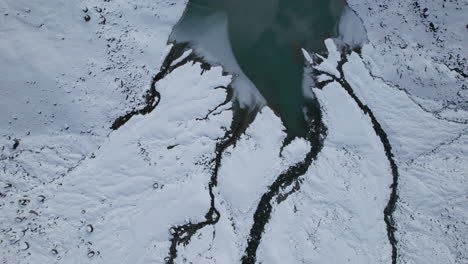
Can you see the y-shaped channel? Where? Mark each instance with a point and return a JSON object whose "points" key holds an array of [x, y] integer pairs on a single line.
{"points": [[391, 205]]}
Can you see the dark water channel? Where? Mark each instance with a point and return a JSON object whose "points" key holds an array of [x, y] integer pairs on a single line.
{"points": [[265, 39]]}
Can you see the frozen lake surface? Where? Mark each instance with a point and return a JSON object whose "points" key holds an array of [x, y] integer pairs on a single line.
{"points": [[261, 41]]}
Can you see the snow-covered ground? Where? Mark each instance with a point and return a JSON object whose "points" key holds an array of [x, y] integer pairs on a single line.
{"points": [[343, 194], [413, 77], [64, 80], [118, 205], [72, 190], [431, 153], [419, 46]]}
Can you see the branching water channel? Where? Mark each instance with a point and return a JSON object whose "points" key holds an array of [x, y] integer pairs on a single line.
{"points": [[260, 42]]}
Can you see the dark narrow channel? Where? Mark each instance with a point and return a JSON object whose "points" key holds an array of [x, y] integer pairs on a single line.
{"points": [[380, 132], [261, 41]]}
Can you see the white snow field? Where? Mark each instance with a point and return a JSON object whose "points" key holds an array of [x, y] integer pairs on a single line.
{"points": [[176, 184]]}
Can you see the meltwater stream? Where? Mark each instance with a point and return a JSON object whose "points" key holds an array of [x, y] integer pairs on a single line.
{"points": [[260, 42]]}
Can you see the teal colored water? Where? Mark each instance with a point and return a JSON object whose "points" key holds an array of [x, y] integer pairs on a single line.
{"points": [[266, 38]]}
